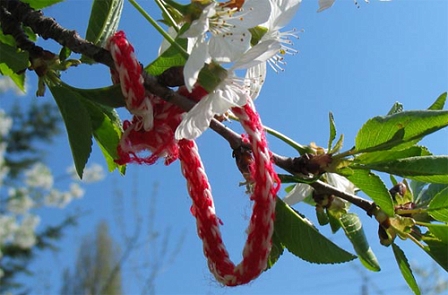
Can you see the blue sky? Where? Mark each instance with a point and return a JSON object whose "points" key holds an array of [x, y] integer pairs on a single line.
{"points": [[354, 62]]}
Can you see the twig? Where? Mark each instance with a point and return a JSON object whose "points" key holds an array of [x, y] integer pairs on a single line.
{"points": [[14, 10]]}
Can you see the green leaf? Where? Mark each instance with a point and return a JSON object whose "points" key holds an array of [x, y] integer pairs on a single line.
{"points": [[277, 250], [437, 250], [302, 239], [16, 60], [385, 156], [106, 130], [338, 145], [78, 125], [110, 96], [399, 130], [39, 4], [332, 131], [374, 187], [433, 169], [428, 194], [169, 58], [353, 230], [439, 231], [438, 207], [106, 124], [405, 269], [396, 108], [19, 80], [7, 39], [417, 189], [439, 103], [104, 18]]}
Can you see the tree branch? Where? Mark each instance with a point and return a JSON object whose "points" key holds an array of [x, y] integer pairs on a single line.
{"points": [[14, 12]]}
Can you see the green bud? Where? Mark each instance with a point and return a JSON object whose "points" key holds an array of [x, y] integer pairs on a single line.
{"points": [[211, 75]]}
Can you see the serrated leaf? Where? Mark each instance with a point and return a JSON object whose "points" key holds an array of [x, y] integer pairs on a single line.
{"points": [[438, 207], [106, 125], [338, 145], [353, 230], [385, 156], [417, 189], [399, 130], [439, 104], [332, 131], [432, 169], [277, 250], [110, 96], [78, 125], [7, 39], [104, 18], [437, 250], [39, 4], [302, 239], [374, 187], [107, 132], [439, 231], [19, 80], [405, 269], [428, 194], [396, 108], [15, 60]]}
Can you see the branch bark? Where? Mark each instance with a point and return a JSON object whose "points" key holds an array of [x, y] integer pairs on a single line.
{"points": [[14, 12]]}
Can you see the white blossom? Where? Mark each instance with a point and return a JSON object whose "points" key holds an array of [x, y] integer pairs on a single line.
{"points": [[56, 198], [282, 13], [19, 201], [8, 226], [39, 176], [303, 190], [228, 37], [5, 123], [91, 174], [229, 93], [25, 236], [76, 190]]}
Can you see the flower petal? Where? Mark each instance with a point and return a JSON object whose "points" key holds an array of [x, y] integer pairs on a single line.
{"points": [[341, 183], [255, 77], [201, 25], [196, 120], [252, 13], [298, 194], [324, 4], [258, 54], [227, 48], [199, 55], [282, 13]]}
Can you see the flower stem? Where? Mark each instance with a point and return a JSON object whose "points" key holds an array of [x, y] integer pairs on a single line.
{"points": [[168, 15], [297, 146], [159, 28]]}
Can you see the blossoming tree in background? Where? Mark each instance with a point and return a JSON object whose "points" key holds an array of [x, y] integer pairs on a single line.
{"points": [[211, 68], [26, 184]]}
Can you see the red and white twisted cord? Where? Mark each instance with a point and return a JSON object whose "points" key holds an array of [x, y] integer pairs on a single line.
{"points": [[155, 120], [158, 137], [258, 245]]}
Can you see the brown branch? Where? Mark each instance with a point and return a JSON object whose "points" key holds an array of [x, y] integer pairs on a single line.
{"points": [[325, 189], [14, 11]]}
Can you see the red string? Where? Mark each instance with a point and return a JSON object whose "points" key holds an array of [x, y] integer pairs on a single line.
{"points": [[159, 139]]}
